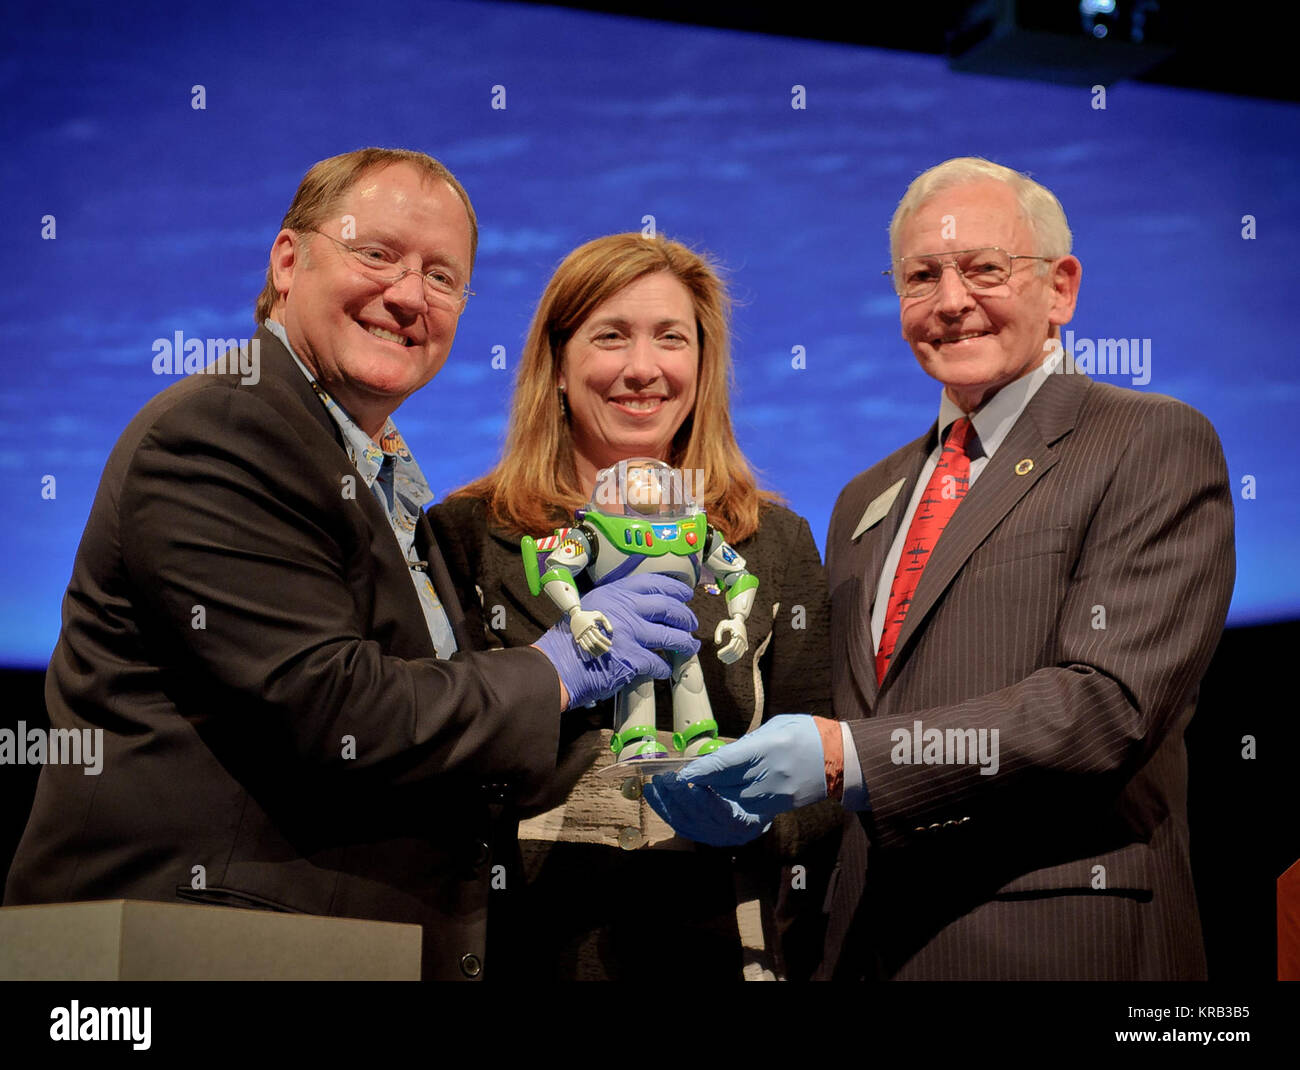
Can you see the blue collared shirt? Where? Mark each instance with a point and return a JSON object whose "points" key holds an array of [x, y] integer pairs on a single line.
{"points": [[399, 486]]}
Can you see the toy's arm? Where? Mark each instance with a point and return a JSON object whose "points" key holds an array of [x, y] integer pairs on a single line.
{"points": [[571, 556], [740, 585]]}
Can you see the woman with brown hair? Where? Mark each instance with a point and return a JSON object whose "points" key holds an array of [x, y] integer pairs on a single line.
{"points": [[628, 356]]}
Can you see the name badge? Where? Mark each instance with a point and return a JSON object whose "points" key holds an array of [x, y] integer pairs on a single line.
{"points": [[878, 509]]}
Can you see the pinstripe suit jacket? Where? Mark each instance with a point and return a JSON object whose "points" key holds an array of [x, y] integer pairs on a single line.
{"points": [[1074, 609]]}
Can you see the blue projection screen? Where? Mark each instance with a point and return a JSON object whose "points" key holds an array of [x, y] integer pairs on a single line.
{"points": [[151, 152]]}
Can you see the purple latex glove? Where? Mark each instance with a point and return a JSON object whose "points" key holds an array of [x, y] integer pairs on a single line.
{"points": [[647, 613]]}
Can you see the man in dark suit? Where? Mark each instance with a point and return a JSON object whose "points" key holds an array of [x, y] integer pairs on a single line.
{"points": [[1024, 600], [260, 623]]}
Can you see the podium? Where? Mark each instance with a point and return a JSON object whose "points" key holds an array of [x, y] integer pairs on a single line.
{"points": [[137, 940]]}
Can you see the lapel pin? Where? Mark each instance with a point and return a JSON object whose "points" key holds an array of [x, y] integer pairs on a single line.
{"points": [[1023, 468]]}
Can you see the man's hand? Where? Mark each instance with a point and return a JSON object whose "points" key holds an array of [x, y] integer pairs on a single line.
{"points": [[645, 614], [701, 814], [832, 737], [731, 796]]}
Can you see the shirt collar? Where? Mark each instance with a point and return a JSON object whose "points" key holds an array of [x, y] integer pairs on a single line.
{"points": [[995, 418], [365, 454]]}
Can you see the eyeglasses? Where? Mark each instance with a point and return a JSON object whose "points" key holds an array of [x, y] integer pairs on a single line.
{"points": [[383, 266], [980, 269]]}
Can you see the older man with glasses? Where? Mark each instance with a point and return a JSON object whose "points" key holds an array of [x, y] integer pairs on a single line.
{"points": [[1024, 601]]}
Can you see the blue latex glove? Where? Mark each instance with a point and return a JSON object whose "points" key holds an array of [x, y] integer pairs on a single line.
{"points": [[647, 613], [731, 796]]}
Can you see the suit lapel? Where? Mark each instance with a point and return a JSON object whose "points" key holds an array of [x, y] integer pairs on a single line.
{"points": [[428, 550], [1025, 457], [278, 364], [866, 557]]}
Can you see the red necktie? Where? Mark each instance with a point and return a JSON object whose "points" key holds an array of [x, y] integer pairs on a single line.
{"points": [[942, 495]]}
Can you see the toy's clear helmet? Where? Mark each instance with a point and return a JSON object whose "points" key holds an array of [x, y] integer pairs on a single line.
{"points": [[644, 487]]}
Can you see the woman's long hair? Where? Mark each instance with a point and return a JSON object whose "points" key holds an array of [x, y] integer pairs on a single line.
{"points": [[535, 486]]}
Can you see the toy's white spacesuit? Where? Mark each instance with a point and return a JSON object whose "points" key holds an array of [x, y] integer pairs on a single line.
{"points": [[643, 517]]}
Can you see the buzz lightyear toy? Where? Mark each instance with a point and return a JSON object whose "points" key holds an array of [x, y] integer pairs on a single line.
{"points": [[643, 517]]}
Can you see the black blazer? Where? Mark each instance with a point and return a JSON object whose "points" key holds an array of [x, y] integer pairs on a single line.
{"points": [[242, 626], [1072, 604]]}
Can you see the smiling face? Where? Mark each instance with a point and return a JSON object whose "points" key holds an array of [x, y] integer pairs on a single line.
{"points": [[629, 372], [975, 342], [372, 344]]}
